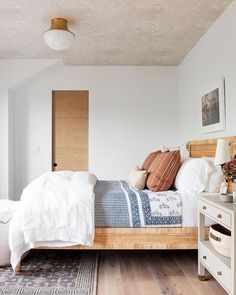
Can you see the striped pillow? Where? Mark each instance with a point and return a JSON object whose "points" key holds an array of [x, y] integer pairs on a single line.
{"points": [[148, 161], [163, 170]]}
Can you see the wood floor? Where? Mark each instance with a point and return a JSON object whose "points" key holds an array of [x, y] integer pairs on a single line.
{"points": [[152, 273]]}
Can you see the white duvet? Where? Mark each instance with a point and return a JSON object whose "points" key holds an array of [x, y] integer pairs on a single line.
{"points": [[56, 207]]}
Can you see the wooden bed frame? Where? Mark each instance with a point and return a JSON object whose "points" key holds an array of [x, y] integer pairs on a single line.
{"points": [[153, 238]]}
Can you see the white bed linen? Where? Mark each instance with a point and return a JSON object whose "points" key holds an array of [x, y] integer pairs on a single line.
{"points": [[58, 206], [190, 209], [7, 209]]}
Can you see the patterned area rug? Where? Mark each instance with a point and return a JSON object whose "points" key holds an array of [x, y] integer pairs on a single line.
{"points": [[52, 272]]}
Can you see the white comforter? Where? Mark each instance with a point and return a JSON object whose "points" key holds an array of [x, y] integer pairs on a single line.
{"points": [[58, 206]]}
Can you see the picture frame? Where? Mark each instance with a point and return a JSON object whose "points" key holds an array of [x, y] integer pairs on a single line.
{"points": [[213, 107]]}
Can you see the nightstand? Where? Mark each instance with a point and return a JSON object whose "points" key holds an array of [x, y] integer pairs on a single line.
{"points": [[221, 267]]}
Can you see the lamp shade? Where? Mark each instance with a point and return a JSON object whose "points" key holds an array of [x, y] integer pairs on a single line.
{"points": [[222, 152], [58, 37]]}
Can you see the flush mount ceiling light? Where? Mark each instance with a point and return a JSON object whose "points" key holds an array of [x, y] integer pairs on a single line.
{"points": [[58, 37]]}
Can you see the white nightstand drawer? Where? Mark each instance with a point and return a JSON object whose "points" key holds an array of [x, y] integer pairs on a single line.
{"points": [[216, 213], [214, 264]]}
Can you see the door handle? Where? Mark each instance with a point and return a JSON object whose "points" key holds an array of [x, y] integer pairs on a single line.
{"points": [[55, 164]]}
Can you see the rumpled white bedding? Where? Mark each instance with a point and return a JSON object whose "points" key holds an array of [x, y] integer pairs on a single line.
{"points": [[57, 206], [190, 209], [7, 209]]}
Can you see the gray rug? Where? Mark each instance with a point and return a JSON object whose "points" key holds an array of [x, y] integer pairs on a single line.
{"points": [[54, 272]]}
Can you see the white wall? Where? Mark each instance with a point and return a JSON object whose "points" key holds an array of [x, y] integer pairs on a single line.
{"points": [[131, 111], [12, 74], [213, 58]]}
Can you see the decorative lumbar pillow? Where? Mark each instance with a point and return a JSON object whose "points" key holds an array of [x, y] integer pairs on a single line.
{"points": [[215, 178], [163, 170], [137, 178], [148, 161], [193, 175]]}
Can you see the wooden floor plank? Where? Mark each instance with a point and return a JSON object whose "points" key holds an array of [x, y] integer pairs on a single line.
{"points": [[187, 262], [133, 268], [169, 273], [109, 271], [152, 273]]}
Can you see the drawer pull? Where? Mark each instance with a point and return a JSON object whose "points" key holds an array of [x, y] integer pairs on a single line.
{"points": [[204, 257], [204, 207], [215, 238], [219, 273], [219, 216]]}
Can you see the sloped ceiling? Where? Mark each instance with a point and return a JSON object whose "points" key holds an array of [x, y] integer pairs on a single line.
{"points": [[108, 32]]}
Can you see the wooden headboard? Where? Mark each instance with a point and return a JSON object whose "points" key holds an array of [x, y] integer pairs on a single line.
{"points": [[207, 148]]}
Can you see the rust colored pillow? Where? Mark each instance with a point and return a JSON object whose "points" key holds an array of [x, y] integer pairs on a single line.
{"points": [[148, 161], [163, 170]]}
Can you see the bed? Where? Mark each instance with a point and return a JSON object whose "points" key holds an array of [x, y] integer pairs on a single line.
{"points": [[128, 236]]}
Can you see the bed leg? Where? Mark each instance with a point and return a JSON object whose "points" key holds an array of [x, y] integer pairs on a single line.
{"points": [[18, 266], [202, 278], [17, 270]]}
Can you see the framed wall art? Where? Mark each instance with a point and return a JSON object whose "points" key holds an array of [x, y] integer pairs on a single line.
{"points": [[213, 108]]}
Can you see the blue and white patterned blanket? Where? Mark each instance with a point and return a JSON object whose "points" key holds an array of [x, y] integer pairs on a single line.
{"points": [[119, 205]]}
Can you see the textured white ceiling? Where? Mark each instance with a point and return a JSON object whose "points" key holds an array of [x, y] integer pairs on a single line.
{"points": [[108, 32]]}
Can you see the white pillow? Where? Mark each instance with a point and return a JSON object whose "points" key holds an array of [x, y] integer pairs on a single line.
{"points": [[184, 152], [138, 178], [193, 175], [215, 178]]}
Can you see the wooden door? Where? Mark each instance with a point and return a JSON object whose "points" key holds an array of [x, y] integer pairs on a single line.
{"points": [[70, 130]]}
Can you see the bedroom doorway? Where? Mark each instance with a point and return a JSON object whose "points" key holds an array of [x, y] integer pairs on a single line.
{"points": [[70, 130]]}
